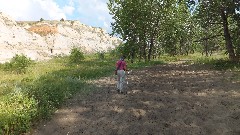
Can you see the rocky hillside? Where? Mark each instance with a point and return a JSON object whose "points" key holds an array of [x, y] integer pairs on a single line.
{"points": [[44, 39]]}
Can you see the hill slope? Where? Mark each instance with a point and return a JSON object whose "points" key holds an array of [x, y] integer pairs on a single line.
{"points": [[43, 39]]}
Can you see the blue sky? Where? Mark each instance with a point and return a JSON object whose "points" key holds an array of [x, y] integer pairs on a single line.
{"points": [[91, 12]]}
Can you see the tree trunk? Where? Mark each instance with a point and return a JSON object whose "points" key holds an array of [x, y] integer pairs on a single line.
{"points": [[150, 49], [227, 37], [132, 55], [140, 54], [144, 52], [181, 44], [206, 47]]}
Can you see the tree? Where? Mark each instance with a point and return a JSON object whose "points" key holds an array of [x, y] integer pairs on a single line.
{"points": [[150, 27], [41, 19], [139, 24], [212, 13]]}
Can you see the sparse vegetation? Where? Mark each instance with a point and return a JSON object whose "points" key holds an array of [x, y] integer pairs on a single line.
{"points": [[18, 64], [76, 55], [101, 55], [41, 19]]}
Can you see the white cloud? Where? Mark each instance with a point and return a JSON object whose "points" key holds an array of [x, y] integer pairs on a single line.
{"points": [[32, 9], [101, 18], [68, 10], [71, 3], [106, 25], [91, 12], [95, 12]]}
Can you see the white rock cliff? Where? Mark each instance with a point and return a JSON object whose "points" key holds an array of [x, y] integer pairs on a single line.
{"points": [[44, 39]]}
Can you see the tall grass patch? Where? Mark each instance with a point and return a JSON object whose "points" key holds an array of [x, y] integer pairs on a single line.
{"points": [[18, 64], [16, 113], [76, 55], [35, 95]]}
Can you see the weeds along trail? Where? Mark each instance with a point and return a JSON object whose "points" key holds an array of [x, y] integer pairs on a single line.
{"points": [[165, 99]]}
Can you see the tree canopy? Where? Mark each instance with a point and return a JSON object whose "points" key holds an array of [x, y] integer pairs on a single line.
{"points": [[150, 28]]}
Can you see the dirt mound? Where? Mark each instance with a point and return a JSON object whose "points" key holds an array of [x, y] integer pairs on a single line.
{"points": [[166, 99]]}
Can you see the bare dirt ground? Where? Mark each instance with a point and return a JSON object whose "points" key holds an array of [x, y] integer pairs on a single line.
{"points": [[173, 99]]}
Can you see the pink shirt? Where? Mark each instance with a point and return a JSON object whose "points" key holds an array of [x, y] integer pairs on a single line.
{"points": [[123, 65]]}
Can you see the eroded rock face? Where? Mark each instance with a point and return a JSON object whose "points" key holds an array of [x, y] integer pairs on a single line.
{"points": [[43, 29], [45, 39]]}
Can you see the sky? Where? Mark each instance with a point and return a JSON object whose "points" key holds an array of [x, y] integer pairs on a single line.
{"points": [[90, 12]]}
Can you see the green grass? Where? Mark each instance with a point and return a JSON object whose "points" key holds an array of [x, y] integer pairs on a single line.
{"points": [[35, 95], [217, 61]]}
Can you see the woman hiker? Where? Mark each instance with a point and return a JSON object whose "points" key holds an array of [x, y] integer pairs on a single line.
{"points": [[121, 67]]}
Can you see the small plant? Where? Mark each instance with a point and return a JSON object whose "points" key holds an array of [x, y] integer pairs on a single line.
{"points": [[41, 19], [101, 55], [1, 66], [62, 20], [18, 64], [76, 55]]}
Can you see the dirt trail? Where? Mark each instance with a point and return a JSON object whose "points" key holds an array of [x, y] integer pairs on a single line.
{"points": [[174, 99]]}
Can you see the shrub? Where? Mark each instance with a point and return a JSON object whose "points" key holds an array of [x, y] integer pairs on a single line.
{"points": [[1, 66], [41, 19], [76, 55], [16, 113], [101, 55], [113, 53], [18, 64]]}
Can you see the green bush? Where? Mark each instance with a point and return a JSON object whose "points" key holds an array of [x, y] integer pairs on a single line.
{"points": [[41, 19], [16, 113], [1, 66], [101, 55], [76, 55], [18, 64]]}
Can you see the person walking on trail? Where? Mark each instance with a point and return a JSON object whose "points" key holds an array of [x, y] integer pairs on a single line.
{"points": [[121, 67]]}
